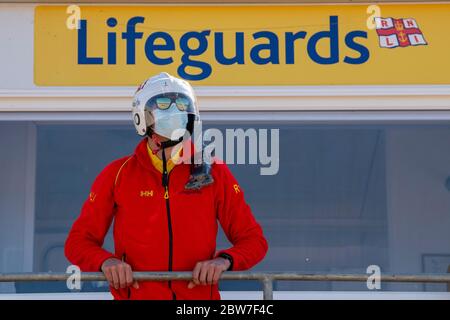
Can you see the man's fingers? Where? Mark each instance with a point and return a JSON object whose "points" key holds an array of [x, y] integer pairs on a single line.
{"points": [[118, 273], [208, 272], [196, 273], [135, 285], [204, 273], [121, 271], [108, 275], [128, 275], [217, 274], [115, 277], [210, 276]]}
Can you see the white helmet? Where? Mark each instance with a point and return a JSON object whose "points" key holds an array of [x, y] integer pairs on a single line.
{"points": [[164, 104]]}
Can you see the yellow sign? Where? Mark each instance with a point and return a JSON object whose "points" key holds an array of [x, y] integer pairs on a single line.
{"points": [[243, 45]]}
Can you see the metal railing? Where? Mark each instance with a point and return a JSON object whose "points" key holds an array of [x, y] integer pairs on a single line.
{"points": [[266, 278]]}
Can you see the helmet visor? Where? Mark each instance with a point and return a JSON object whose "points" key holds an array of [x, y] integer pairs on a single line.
{"points": [[168, 114], [163, 101]]}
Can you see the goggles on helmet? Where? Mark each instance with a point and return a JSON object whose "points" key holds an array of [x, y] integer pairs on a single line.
{"points": [[164, 100]]}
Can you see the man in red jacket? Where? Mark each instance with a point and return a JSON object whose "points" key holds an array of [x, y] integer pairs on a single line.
{"points": [[165, 207]]}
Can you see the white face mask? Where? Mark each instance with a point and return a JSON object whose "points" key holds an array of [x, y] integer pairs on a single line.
{"points": [[170, 123]]}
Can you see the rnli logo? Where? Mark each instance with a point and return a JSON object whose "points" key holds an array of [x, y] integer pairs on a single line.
{"points": [[146, 193], [394, 33]]}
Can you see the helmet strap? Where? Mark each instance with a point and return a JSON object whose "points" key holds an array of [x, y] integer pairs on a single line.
{"points": [[162, 144]]}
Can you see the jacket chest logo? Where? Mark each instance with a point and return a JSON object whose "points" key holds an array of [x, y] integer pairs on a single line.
{"points": [[92, 196], [146, 193]]}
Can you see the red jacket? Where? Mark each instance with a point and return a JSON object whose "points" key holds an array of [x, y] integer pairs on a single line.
{"points": [[149, 238]]}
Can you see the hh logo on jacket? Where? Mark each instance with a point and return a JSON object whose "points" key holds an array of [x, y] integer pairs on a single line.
{"points": [[146, 193]]}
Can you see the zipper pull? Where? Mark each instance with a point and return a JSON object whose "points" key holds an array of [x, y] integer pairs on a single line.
{"points": [[166, 194], [165, 179]]}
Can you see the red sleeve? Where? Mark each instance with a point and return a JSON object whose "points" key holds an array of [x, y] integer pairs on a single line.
{"points": [[237, 220], [84, 243]]}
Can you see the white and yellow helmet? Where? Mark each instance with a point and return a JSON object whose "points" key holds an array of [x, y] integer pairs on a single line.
{"points": [[165, 105]]}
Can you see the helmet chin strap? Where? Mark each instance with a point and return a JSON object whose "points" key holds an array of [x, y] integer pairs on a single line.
{"points": [[161, 145]]}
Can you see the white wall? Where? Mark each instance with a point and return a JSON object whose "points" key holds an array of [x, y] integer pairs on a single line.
{"points": [[418, 163], [16, 42], [16, 198]]}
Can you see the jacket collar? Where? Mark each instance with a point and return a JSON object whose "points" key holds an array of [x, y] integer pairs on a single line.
{"points": [[141, 153], [158, 163], [144, 159]]}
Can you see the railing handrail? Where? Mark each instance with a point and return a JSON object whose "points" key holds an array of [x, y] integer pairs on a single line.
{"points": [[230, 275], [266, 278]]}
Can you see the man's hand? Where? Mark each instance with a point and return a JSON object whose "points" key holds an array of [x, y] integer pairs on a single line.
{"points": [[208, 272], [118, 274]]}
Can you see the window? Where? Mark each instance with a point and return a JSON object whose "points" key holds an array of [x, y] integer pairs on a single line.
{"points": [[345, 197]]}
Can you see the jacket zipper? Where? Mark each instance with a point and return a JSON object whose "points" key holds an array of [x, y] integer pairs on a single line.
{"points": [[169, 224]]}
